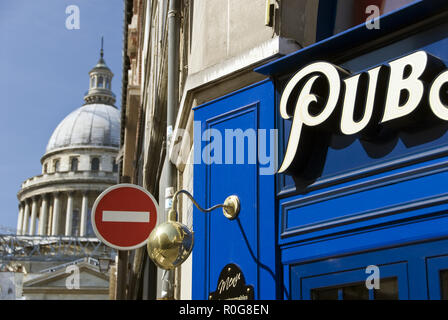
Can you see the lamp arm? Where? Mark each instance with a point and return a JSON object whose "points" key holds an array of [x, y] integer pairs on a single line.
{"points": [[194, 201], [231, 205]]}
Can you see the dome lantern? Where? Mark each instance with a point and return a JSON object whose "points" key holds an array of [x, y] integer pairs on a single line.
{"points": [[100, 89], [96, 124]]}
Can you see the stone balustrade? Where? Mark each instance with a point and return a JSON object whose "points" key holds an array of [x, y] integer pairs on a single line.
{"points": [[67, 176]]}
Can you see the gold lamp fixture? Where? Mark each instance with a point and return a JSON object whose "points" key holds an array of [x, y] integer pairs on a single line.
{"points": [[170, 243]]}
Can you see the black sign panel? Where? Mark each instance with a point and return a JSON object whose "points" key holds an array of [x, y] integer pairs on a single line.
{"points": [[232, 285]]}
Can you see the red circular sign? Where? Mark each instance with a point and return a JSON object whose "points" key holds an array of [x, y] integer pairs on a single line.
{"points": [[124, 215]]}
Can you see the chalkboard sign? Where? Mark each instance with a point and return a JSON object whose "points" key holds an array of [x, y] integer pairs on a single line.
{"points": [[232, 285]]}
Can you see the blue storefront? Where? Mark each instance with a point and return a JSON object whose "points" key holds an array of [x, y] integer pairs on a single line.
{"points": [[360, 192]]}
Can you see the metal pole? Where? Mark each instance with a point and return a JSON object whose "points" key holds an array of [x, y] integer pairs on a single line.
{"points": [[172, 106], [122, 263], [122, 267]]}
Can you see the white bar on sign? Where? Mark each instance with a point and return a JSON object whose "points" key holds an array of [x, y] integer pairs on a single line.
{"points": [[125, 216]]}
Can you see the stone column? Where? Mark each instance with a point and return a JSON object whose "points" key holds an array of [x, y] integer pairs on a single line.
{"points": [[43, 216], [56, 215], [26, 218], [84, 209], [50, 216], [69, 215], [20, 220], [32, 230]]}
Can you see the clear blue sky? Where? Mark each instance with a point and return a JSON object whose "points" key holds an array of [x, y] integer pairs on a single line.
{"points": [[43, 77]]}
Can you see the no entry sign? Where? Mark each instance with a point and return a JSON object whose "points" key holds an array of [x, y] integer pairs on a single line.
{"points": [[124, 215]]}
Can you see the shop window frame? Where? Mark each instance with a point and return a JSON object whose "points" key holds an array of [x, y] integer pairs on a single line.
{"points": [[348, 277]]}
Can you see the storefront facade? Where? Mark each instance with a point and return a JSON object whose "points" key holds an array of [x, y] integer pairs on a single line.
{"points": [[361, 168]]}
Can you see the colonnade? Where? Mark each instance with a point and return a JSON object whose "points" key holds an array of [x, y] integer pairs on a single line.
{"points": [[47, 211]]}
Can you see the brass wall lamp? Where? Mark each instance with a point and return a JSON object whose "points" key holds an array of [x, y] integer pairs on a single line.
{"points": [[170, 243]]}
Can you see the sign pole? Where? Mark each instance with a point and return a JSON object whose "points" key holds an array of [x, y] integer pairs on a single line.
{"points": [[122, 263], [123, 217], [122, 267]]}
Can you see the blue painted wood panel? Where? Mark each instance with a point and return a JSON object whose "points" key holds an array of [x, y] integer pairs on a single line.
{"points": [[360, 201], [417, 267], [348, 158], [234, 241], [359, 184], [435, 265], [393, 270], [250, 240], [368, 203]]}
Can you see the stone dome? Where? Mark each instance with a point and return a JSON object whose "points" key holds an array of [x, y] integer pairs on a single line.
{"points": [[79, 163], [90, 125]]}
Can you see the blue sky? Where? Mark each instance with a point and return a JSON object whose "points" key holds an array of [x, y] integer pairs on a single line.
{"points": [[43, 77]]}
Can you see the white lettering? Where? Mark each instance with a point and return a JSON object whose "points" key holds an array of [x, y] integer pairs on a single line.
{"points": [[437, 106], [373, 21], [192, 310], [212, 152], [229, 282], [240, 136], [404, 94], [263, 157], [399, 82], [348, 125], [373, 280], [73, 21], [72, 281], [301, 112]]}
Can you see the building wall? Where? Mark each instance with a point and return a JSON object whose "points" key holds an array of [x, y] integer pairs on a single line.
{"points": [[220, 44], [90, 285], [106, 156], [9, 289], [223, 29], [185, 271]]}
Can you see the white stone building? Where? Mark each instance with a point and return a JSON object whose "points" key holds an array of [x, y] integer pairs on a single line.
{"points": [[78, 164], [55, 206]]}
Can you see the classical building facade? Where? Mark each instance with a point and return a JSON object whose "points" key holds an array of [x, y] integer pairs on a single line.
{"points": [[219, 43], [78, 164], [219, 48], [55, 249]]}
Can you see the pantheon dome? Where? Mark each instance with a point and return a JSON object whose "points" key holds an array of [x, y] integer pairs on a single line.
{"points": [[90, 125], [78, 164]]}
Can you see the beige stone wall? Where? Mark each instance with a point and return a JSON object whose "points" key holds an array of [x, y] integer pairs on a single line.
{"points": [[66, 296], [221, 41], [225, 29], [60, 284], [185, 271], [84, 155]]}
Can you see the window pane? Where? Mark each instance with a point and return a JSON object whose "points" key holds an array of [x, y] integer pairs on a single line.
{"points": [[444, 284], [324, 294], [74, 164], [95, 164], [100, 82], [388, 289], [356, 292]]}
